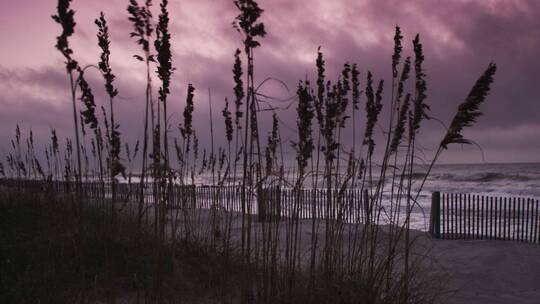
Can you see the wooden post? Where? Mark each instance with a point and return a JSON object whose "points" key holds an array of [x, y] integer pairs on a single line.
{"points": [[537, 223], [435, 218], [443, 213], [367, 207], [269, 203]]}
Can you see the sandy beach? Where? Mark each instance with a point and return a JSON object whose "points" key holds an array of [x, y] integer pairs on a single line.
{"points": [[470, 271], [489, 271]]}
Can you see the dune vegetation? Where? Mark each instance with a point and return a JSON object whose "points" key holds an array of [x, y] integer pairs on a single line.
{"points": [[68, 237]]}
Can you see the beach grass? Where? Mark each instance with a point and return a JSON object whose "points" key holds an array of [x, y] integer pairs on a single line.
{"points": [[161, 254]]}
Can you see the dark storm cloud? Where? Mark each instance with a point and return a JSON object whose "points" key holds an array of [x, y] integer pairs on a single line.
{"points": [[460, 39]]}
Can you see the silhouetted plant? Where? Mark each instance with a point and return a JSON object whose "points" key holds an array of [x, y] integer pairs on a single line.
{"points": [[247, 23], [104, 63], [400, 127], [165, 69], [272, 144], [163, 49], [64, 17], [187, 129], [403, 78], [228, 122], [355, 83], [66, 20], [420, 108], [304, 146], [238, 87], [468, 110], [87, 98], [141, 17], [397, 51], [319, 102], [116, 166], [373, 109]]}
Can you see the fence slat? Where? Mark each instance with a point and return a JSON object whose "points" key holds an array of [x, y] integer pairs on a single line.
{"points": [[469, 236], [435, 217], [460, 215], [527, 221], [456, 216], [443, 216], [537, 223], [520, 219]]}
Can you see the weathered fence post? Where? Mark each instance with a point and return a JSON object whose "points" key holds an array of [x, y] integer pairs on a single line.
{"points": [[367, 207], [269, 204], [435, 216]]}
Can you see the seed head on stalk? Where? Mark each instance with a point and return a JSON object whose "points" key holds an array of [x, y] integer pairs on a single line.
{"points": [[397, 51], [344, 87], [187, 129], [104, 66], [228, 121], [87, 98], [400, 127], [238, 87], [355, 86], [195, 146], [246, 22], [304, 146], [104, 63], [116, 166], [403, 78], [273, 141], [65, 18], [319, 101], [141, 17], [468, 110], [420, 107], [54, 141], [331, 121], [163, 49], [373, 109]]}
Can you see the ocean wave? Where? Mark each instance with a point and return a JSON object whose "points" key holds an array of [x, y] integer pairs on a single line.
{"points": [[485, 177], [418, 175]]}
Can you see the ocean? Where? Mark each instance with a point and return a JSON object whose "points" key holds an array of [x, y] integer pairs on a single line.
{"points": [[501, 180]]}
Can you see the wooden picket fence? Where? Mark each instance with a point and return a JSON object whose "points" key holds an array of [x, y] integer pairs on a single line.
{"points": [[268, 203], [468, 216], [453, 216]]}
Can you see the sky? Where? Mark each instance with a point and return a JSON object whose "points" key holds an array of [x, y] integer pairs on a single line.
{"points": [[460, 38]]}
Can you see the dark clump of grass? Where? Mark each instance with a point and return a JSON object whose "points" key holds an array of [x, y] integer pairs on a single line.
{"points": [[40, 255]]}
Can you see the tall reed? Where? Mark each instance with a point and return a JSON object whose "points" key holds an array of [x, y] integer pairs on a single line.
{"points": [[141, 17], [64, 17]]}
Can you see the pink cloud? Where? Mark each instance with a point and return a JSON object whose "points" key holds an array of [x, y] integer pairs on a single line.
{"points": [[460, 38]]}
